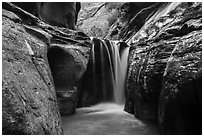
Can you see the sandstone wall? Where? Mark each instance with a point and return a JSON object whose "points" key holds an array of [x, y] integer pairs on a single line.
{"points": [[165, 69]]}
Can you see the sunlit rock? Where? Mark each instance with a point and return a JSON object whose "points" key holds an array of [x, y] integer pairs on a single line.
{"points": [[29, 103], [165, 69]]}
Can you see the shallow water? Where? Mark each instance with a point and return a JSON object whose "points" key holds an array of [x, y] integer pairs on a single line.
{"points": [[106, 119]]}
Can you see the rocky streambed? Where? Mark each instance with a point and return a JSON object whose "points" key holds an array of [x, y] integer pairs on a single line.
{"points": [[43, 66]]}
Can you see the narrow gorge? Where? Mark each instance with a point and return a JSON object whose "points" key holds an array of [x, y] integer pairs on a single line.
{"points": [[101, 68]]}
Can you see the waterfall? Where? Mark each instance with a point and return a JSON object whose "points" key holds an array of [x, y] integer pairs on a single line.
{"points": [[104, 80], [121, 56], [117, 54]]}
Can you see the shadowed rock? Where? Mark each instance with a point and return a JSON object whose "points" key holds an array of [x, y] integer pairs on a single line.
{"points": [[67, 65], [165, 69], [97, 82], [62, 14], [30, 104]]}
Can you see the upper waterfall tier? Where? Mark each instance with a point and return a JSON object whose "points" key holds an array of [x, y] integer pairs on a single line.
{"points": [[106, 72]]}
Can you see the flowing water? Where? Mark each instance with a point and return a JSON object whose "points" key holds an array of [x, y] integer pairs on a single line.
{"points": [[110, 60], [108, 72], [120, 66], [106, 119]]}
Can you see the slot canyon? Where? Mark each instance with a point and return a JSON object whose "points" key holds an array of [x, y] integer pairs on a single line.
{"points": [[102, 68]]}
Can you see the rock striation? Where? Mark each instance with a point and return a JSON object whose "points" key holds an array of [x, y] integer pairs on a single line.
{"points": [[47, 70], [95, 18], [34, 92], [165, 69], [29, 103], [132, 16]]}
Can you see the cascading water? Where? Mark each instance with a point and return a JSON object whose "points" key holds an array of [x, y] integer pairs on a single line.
{"points": [[104, 80], [104, 83], [121, 51], [118, 67]]}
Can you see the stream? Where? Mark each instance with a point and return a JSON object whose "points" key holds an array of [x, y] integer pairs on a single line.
{"points": [[106, 119]]}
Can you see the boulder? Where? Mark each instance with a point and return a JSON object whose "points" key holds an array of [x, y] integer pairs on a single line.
{"points": [[68, 63], [61, 14], [29, 103], [165, 73], [68, 53]]}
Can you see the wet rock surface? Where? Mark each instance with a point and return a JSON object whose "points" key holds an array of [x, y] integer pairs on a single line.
{"points": [[33, 93], [29, 103], [44, 67], [165, 73]]}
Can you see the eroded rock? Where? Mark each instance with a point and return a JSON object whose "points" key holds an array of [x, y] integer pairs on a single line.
{"points": [[132, 17], [164, 66], [61, 14], [29, 103], [95, 18], [68, 63]]}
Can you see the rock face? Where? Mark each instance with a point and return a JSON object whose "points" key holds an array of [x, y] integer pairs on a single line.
{"points": [[59, 13], [54, 13], [95, 18], [31, 91], [68, 63], [165, 69], [43, 66], [132, 16], [29, 103]]}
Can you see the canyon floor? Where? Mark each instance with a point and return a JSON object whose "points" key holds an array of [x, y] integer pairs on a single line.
{"points": [[106, 119]]}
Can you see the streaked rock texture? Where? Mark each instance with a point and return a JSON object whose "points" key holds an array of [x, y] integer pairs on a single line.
{"points": [[31, 91], [165, 69], [132, 16], [29, 103], [95, 18], [44, 66]]}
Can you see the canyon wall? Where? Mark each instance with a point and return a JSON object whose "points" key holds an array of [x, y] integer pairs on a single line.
{"points": [[61, 14], [164, 81], [95, 18], [43, 66], [41, 69], [29, 103]]}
